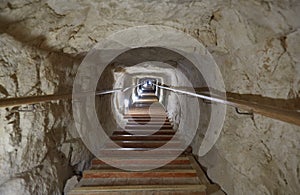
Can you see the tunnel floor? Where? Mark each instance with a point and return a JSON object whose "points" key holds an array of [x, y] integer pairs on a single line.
{"points": [[148, 127]]}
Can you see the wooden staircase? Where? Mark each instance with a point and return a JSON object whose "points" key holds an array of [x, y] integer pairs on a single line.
{"points": [[183, 175]]}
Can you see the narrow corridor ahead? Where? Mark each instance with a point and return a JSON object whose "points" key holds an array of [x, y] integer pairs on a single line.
{"points": [[148, 127]]}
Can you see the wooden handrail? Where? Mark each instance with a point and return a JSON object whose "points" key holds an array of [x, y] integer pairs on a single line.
{"points": [[285, 114]]}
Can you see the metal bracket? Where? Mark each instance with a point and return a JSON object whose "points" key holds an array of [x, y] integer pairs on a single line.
{"points": [[243, 113], [206, 101], [30, 108]]}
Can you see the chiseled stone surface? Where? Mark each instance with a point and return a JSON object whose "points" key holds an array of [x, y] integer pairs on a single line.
{"points": [[39, 150], [255, 43], [71, 183]]}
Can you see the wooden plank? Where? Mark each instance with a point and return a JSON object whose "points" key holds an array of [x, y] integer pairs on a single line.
{"points": [[177, 161], [147, 100], [139, 188], [148, 126], [146, 95], [144, 132], [148, 119], [268, 110], [138, 181], [162, 122], [146, 114], [139, 166], [133, 152], [145, 117], [148, 174], [143, 120], [276, 112], [144, 144], [144, 107], [289, 116], [143, 137], [18, 101]]}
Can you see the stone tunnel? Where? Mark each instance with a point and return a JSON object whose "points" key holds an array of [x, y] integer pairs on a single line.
{"points": [[48, 143]]}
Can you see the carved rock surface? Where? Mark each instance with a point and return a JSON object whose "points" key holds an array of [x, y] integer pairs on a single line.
{"points": [[255, 43]]}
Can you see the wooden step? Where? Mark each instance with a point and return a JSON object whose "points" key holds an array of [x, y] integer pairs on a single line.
{"points": [[149, 127], [146, 106], [144, 144], [143, 137], [144, 120], [152, 100], [151, 95], [136, 166], [154, 104], [163, 122], [196, 189], [135, 152], [143, 95], [145, 116], [138, 181], [177, 161], [148, 91], [147, 97], [144, 132], [178, 173]]}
